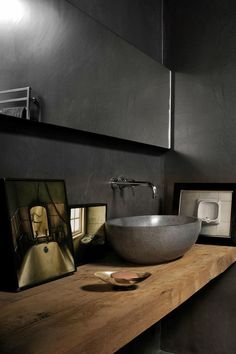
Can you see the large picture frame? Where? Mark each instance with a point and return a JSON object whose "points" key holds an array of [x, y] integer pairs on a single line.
{"points": [[35, 241], [214, 203]]}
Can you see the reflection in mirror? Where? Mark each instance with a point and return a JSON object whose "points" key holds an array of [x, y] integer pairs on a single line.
{"points": [[140, 22], [106, 86], [39, 221]]}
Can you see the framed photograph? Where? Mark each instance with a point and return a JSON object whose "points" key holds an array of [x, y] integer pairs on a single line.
{"points": [[36, 242], [87, 227], [214, 204]]}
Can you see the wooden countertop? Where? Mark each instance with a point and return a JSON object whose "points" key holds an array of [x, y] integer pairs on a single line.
{"points": [[81, 314]]}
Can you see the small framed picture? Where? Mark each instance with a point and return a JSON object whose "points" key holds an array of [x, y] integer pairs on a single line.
{"points": [[214, 204], [36, 242], [87, 227]]}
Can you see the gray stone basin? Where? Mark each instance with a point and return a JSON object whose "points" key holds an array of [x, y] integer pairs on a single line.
{"points": [[152, 239]]}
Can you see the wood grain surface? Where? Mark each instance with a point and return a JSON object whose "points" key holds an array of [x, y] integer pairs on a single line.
{"points": [[81, 314]]}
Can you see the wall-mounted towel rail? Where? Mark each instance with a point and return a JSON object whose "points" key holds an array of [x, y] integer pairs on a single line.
{"points": [[20, 103]]}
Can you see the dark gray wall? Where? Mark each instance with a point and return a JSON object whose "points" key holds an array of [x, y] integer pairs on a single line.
{"points": [[85, 161], [87, 77], [139, 22], [204, 56]]}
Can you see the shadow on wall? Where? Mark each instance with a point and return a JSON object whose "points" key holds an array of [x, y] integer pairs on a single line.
{"points": [[203, 35], [176, 163]]}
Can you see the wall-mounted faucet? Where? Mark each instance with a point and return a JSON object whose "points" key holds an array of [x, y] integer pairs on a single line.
{"points": [[123, 182]]}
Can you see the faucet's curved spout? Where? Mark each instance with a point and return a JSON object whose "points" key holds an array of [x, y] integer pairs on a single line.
{"points": [[148, 184], [123, 182], [154, 191]]}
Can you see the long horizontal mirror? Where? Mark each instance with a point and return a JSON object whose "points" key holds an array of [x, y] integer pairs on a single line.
{"points": [[143, 23], [87, 77]]}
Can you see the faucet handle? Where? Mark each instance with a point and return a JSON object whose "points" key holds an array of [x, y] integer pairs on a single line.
{"points": [[114, 179], [122, 179], [154, 191]]}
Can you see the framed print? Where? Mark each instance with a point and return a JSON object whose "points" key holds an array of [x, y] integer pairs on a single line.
{"points": [[87, 227], [36, 242], [214, 204]]}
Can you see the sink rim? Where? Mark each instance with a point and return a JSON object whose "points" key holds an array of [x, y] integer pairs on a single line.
{"points": [[187, 220]]}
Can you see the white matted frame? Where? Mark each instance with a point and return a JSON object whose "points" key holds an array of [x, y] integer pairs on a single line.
{"points": [[213, 203]]}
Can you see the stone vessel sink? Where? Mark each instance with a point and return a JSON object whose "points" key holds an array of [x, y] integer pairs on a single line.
{"points": [[152, 239]]}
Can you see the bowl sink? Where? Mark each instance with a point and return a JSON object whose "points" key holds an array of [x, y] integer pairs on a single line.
{"points": [[152, 239]]}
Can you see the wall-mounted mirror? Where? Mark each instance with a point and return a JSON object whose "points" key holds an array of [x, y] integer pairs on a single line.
{"points": [[87, 77], [140, 22]]}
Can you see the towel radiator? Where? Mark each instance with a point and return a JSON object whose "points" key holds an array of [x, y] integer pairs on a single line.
{"points": [[19, 96]]}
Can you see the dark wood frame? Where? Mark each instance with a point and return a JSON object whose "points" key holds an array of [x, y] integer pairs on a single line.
{"points": [[211, 187]]}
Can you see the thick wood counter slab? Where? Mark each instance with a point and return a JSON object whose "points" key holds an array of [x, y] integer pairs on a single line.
{"points": [[81, 314]]}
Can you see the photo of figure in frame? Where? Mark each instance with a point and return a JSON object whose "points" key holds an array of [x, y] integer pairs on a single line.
{"points": [[39, 230]]}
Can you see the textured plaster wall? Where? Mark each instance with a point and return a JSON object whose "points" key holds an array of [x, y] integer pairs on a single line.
{"points": [[204, 58]]}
